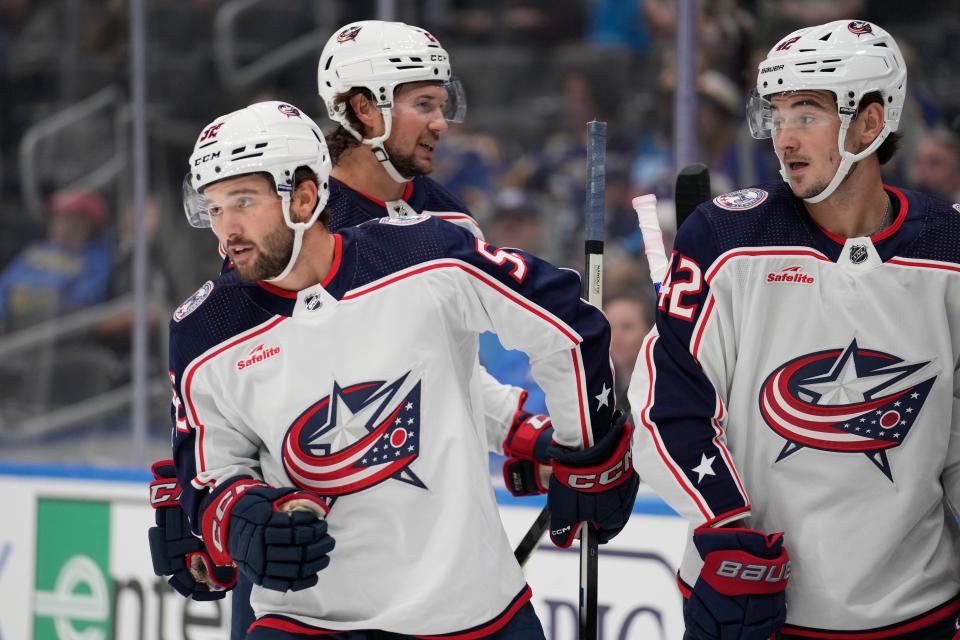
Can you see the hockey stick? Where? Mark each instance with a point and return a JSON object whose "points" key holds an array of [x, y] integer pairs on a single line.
{"points": [[693, 187], [593, 248]]}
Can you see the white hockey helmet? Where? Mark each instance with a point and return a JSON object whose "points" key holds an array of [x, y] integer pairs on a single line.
{"points": [[267, 137], [850, 58], [378, 56]]}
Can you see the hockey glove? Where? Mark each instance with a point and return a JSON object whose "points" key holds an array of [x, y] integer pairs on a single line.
{"points": [[526, 471], [740, 592], [596, 485], [175, 551], [276, 536]]}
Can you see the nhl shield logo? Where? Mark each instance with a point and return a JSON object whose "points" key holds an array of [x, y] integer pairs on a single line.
{"points": [[740, 200], [313, 302], [858, 254]]}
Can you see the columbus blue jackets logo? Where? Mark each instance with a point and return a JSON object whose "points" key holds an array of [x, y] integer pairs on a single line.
{"points": [[741, 200], [860, 27], [355, 438], [288, 110], [194, 301], [348, 34], [851, 400]]}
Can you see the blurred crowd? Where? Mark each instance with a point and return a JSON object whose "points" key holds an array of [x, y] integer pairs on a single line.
{"points": [[535, 72]]}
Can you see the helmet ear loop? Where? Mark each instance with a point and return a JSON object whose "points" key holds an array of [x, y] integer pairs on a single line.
{"points": [[380, 151]]}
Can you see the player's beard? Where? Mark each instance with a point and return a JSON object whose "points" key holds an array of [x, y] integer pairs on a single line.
{"points": [[404, 163], [273, 254]]}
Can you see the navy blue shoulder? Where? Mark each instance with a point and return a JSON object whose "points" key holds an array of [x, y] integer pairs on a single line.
{"points": [[763, 216], [429, 195], [387, 245], [219, 310], [937, 228], [348, 208]]}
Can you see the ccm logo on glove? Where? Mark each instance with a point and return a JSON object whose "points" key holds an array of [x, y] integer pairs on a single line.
{"points": [[215, 526], [164, 493], [596, 479]]}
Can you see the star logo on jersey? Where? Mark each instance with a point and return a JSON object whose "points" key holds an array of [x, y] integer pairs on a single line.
{"points": [[850, 400], [355, 438]]}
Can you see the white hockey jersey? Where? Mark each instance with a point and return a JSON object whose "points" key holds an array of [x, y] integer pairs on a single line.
{"points": [[364, 389], [809, 383]]}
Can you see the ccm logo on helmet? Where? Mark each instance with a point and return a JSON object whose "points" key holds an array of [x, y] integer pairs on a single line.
{"points": [[206, 158]]}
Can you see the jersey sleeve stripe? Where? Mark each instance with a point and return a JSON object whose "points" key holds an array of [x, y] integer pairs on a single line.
{"points": [[194, 366], [701, 327], [578, 371], [459, 217], [561, 326], [651, 427], [800, 252]]}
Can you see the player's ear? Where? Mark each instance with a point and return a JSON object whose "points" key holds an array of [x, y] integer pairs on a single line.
{"points": [[871, 123], [304, 200], [368, 114]]}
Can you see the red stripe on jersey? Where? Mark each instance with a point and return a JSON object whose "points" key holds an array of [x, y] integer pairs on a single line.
{"points": [[407, 191], [919, 623], [277, 291], [337, 255], [924, 264], [192, 369], [799, 252], [886, 233], [702, 326], [584, 426], [488, 628], [648, 425], [507, 293], [289, 625], [726, 453]]}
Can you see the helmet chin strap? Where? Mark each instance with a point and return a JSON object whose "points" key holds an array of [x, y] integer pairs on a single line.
{"points": [[298, 230], [377, 145], [847, 159]]}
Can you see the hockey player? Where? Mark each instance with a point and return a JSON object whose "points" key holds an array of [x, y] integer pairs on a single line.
{"points": [[403, 131], [800, 388], [388, 86], [326, 389]]}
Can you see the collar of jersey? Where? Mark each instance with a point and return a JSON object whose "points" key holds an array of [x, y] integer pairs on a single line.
{"points": [[903, 206], [282, 301], [407, 192]]}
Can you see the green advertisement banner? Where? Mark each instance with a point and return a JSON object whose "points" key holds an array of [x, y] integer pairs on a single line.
{"points": [[73, 589]]}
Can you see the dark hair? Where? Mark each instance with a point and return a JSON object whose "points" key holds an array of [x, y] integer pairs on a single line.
{"points": [[892, 142], [339, 140]]}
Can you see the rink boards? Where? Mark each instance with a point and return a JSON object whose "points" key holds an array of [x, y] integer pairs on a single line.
{"points": [[75, 564]]}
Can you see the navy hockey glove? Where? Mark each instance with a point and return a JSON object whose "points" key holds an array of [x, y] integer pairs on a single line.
{"points": [[276, 536], [740, 592], [175, 551], [596, 485], [526, 471]]}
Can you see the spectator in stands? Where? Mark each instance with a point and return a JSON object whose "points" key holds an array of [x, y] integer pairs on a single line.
{"points": [[68, 270], [936, 164], [630, 320]]}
